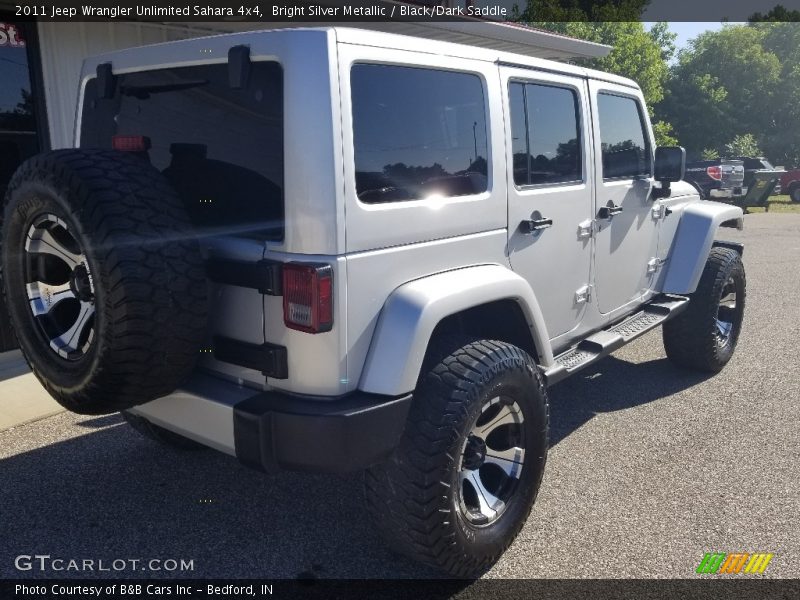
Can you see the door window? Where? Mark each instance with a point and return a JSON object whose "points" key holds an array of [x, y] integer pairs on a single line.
{"points": [[624, 143], [545, 133]]}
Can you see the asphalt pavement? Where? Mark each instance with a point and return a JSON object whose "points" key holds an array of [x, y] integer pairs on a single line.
{"points": [[650, 467]]}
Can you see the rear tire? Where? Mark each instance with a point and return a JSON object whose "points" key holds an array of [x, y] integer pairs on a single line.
{"points": [[705, 335], [794, 193], [465, 475], [103, 279]]}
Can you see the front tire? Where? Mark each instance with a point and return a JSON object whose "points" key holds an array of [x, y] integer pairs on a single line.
{"points": [[464, 478], [705, 335], [794, 193]]}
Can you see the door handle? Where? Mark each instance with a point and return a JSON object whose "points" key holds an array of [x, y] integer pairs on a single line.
{"points": [[608, 212], [534, 225]]}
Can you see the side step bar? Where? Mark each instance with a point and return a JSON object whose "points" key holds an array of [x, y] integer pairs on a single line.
{"points": [[603, 343]]}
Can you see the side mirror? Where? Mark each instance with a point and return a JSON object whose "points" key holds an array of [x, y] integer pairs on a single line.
{"points": [[670, 166]]}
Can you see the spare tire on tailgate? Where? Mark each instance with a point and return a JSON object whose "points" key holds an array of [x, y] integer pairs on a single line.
{"points": [[103, 278]]}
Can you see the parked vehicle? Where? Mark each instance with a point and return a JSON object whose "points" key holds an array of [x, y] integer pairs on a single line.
{"points": [[717, 178], [790, 184], [743, 181], [759, 164], [330, 250]]}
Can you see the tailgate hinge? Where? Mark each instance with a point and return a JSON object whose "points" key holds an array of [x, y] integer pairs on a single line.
{"points": [[270, 359], [264, 275]]}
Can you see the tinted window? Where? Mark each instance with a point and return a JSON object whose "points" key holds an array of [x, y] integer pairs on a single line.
{"points": [[417, 133], [545, 134], [626, 151], [18, 137], [519, 134], [221, 148]]}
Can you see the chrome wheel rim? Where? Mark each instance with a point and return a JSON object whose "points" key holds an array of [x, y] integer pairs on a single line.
{"points": [[491, 462], [59, 287], [726, 313]]}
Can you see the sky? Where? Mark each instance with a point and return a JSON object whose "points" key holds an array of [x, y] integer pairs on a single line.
{"points": [[688, 30]]}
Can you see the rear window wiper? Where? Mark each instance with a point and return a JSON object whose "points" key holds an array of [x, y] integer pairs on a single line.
{"points": [[142, 92]]}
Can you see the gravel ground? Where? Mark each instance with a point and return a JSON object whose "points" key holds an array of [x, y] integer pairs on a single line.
{"points": [[650, 468]]}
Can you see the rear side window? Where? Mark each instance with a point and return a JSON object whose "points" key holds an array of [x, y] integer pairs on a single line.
{"points": [[624, 144], [220, 148], [545, 130], [418, 133]]}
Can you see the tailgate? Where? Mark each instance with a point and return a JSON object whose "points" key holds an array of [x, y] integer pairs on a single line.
{"points": [[761, 187], [732, 174], [220, 146], [236, 311]]}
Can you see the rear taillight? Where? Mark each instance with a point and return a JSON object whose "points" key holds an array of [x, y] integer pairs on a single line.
{"points": [[715, 172], [130, 143], [308, 297]]}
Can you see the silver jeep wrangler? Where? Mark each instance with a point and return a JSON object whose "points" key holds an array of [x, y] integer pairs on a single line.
{"points": [[335, 249]]}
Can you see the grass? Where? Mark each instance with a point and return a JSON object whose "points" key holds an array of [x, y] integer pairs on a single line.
{"points": [[778, 204]]}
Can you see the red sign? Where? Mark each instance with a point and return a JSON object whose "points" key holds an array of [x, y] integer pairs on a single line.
{"points": [[10, 36]]}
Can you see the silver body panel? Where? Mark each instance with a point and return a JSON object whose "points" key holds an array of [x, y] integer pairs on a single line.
{"points": [[412, 312], [695, 235], [399, 268]]}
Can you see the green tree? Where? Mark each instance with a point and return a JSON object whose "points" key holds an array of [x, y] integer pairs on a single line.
{"points": [[562, 11], [743, 145], [664, 134], [778, 14], [665, 39], [636, 53], [781, 140], [709, 154], [725, 84]]}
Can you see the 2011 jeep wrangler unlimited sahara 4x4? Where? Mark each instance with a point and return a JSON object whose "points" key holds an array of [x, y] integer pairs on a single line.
{"points": [[334, 249]]}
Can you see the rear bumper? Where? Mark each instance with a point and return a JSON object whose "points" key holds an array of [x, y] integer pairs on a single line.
{"points": [[272, 431], [727, 192]]}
